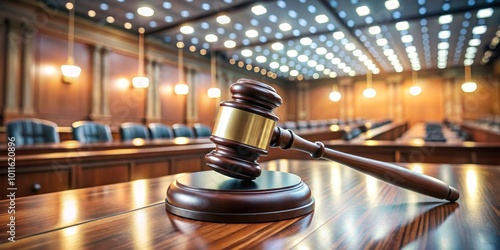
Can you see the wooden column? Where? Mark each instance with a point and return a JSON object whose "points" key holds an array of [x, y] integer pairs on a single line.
{"points": [[105, 83], [191, 107], [153, 97], [13, 69], [303, 105], [347, 103], [96, 99], [28, 74]]}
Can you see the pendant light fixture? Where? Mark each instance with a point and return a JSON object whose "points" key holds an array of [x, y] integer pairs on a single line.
{"points": [[335, 95], [181, 88], [468, 86], [213, 91], [69, 70], [369, 92], [141, 81], [415, 90]]}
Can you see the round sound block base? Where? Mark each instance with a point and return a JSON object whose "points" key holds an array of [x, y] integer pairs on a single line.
{"points": [[210, 196]]}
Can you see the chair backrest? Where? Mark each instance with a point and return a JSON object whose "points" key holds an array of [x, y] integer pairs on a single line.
{"points": [[88, 131], [132, 130], [32, 131], [201, 130], [350, 134], [181, 130], [160, 131]]}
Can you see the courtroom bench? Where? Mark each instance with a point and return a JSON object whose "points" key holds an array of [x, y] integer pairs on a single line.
{"points": [[52, 172], [481, 132]]}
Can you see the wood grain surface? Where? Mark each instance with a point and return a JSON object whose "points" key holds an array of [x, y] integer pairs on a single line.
{"points": [[353, 211]]}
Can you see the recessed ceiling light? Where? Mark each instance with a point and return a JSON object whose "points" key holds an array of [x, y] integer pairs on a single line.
{"points": [[407, 38], [294, 72], [292, 53], [321, 18], [91, 13], [274, 65], [445, 19], [277, 46], [186, 29], [305, 41], [312, 63], [211, 38], [443, 45], [284, 68], [320, 67], [474, 42], [261, 59], [229, 44], [402, 25], [478, 30], [246, 53], [320, 51], [145, 11], [350, 46], [374, 30], [285, 27], [110, 19], [223, 19], [362, 10], [484, 13], [302, 58], [338, 35], [391, 4], [259, 10], [335, 60], [251, 33], [382, 41], [444, 34], [127, 25]]}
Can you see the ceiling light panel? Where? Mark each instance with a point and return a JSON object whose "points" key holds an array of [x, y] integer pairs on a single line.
{"points": [[414, 35]]}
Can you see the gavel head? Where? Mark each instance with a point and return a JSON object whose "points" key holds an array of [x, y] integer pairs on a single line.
{"points": [[243, 129]]}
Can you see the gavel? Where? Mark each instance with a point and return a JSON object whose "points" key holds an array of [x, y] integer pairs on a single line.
{"points": [[245, 128]]}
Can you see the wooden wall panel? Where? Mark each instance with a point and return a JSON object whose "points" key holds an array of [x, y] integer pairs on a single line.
{"points": [[374, 108], [126, 104], [321, 106], [205, 106], [428, 106], [483, 102], [3, 39], [61, 102], [172, 105]]}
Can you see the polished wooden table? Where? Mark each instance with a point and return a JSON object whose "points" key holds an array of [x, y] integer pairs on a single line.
{"points": [[353, 211]]}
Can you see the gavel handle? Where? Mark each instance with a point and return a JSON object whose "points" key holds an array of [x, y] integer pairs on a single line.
{"points": [[390, 173]]}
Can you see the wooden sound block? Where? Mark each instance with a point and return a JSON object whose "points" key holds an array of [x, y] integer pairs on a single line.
{"points": [[210, 196]]}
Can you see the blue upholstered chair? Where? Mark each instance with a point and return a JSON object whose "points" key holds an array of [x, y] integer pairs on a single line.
{"points": [[348, 135], [160, 131], [201, 130], [181, 130], [33, 131], [87, 131], [132, 130]]}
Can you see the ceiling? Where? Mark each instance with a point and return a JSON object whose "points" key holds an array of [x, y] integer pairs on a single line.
{"points": [[316, 39]]}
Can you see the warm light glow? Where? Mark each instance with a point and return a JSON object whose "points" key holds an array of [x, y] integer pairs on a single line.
{"points": [[70, 70], [181, 89], [122, 83], [362, 10], [145, 11], [223, 19], [211, 38], [213, 93], [140, 82], [469, 87], [369, 93], [186, 29], [335, 96], [415, 90]]}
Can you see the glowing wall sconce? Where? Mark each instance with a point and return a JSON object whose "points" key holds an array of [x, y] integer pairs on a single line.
{"points": [[213, 91], [70, 72], [468, 86], [141, 81], [335, 95], [181, 88], [415, 90], [369, 92]]}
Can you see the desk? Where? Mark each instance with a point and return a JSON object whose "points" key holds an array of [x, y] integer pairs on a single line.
{"points": [[353, 211]]}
